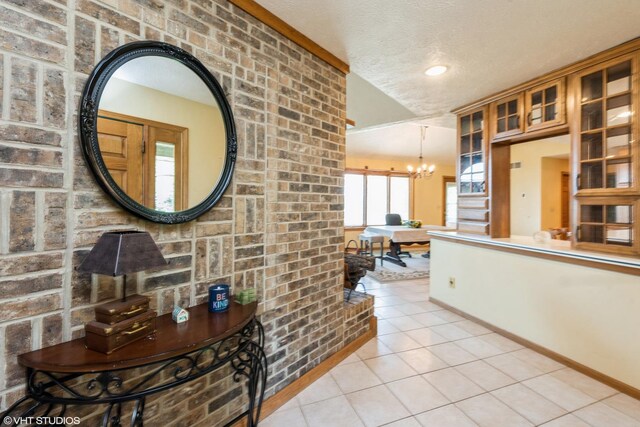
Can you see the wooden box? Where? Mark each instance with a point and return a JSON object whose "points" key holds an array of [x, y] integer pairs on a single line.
{"points": [[107, 338], [117, 311]]}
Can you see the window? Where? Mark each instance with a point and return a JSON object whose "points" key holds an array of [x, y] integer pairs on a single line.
{"points": [[353, 200], [370, 195]]}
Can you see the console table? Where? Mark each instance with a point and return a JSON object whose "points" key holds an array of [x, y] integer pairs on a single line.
{"points": [[70, 374]]}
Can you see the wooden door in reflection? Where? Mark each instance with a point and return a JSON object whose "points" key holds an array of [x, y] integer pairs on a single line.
{"points": [[121, 145]]}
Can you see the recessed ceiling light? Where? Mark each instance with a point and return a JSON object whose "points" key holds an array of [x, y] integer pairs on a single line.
{"points": [[436, 70]]}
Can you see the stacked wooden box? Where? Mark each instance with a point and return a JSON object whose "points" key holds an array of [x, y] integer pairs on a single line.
{"points": [[119, 323]]}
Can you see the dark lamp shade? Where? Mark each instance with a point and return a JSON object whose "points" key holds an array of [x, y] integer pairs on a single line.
{"points": [[123, 252]]}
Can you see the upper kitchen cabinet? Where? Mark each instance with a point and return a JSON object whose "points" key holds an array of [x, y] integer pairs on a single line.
{"points": [[506, 117], [545, 106], [605, 140], [472, 153]]}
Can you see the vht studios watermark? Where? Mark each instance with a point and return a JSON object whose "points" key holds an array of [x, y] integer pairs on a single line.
{"points": [[40, 421]]}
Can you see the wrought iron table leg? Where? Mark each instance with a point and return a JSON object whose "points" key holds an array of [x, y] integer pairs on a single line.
{"points": [[257, 377], [252, 364], [138, 413], [111, 416]]}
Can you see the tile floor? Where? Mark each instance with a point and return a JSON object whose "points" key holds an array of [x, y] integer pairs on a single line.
{"points": [[431, 367]]}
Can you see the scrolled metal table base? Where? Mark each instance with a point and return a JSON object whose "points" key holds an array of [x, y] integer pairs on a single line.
{"points": [[49, 393]]}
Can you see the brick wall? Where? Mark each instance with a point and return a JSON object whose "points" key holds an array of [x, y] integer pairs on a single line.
{"points": [[279, 227]]}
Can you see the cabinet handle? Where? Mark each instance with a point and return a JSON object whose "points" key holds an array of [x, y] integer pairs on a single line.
{"points": [[578, 182], [529, 118], [579, 233], [518, 121]]}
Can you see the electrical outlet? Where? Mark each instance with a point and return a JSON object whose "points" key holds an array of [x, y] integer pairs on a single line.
{"points": [[452, 282]]}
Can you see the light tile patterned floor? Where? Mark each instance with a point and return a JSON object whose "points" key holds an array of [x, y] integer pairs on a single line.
{"points": [[431, 367]]}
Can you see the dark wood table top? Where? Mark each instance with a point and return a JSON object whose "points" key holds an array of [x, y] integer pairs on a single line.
{"points": [[171, 339]]}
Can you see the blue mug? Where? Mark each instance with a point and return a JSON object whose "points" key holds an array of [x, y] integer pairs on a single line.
{"points": [[218, 298]]}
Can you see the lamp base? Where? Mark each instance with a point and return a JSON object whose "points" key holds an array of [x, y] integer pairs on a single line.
{"points": [[118, 310]]}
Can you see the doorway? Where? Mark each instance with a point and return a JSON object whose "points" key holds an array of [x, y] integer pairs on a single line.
{"points": [[449, 202]]}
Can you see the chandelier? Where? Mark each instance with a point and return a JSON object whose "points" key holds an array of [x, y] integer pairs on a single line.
{"points": [[423, 171]]}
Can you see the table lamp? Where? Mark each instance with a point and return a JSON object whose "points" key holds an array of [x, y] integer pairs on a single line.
{"points": [[118, 253]]}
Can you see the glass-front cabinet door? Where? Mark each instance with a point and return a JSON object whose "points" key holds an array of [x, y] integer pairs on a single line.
{"points": [[606, 157], [545, 106], [506, 116], [471, 153], [606, 128], [606, 224]]}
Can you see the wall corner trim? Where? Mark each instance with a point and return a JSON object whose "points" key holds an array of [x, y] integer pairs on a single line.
{"points": [[260, 13]]}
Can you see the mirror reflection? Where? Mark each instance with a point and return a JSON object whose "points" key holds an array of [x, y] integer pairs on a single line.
{"points": [[161, 134]]}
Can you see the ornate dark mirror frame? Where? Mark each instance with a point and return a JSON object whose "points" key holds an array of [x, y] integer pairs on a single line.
{"points": [[89, 138]]}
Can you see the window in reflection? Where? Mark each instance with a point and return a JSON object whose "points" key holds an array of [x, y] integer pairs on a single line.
{"points": [[165, 164]]}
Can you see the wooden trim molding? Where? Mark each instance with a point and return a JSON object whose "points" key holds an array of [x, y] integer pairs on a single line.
{"points": [[268, 18], [586, 260], [596, 375], [274, 402]]}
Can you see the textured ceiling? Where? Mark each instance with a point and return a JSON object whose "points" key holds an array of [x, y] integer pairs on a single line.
{"points": [[402, 142], [488, 45]]}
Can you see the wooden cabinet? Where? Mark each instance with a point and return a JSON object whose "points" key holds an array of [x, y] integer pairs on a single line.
{"points": [[472, 153], [604, 129], [608, 224], [520, 116], [473, 209], [605, 156], [506, 117], [544, 106], [595, 101]]}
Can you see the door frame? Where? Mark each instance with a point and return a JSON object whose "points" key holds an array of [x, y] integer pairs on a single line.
{"points": [[565, 206], [148, 170]]}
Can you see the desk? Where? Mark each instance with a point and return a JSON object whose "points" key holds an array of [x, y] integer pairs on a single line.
{"points": [[71, 374], [401, 234]]}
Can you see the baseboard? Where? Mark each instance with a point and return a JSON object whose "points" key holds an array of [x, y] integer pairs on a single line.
{"points": [[596, 375], [274, 402]]}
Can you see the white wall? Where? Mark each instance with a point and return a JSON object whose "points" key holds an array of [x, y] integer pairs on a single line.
{"points": [[551, 192], [588, 315], [526, 182]]}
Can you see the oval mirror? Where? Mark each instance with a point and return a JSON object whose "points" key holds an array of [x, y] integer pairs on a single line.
{"points": [[158, 132]]}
